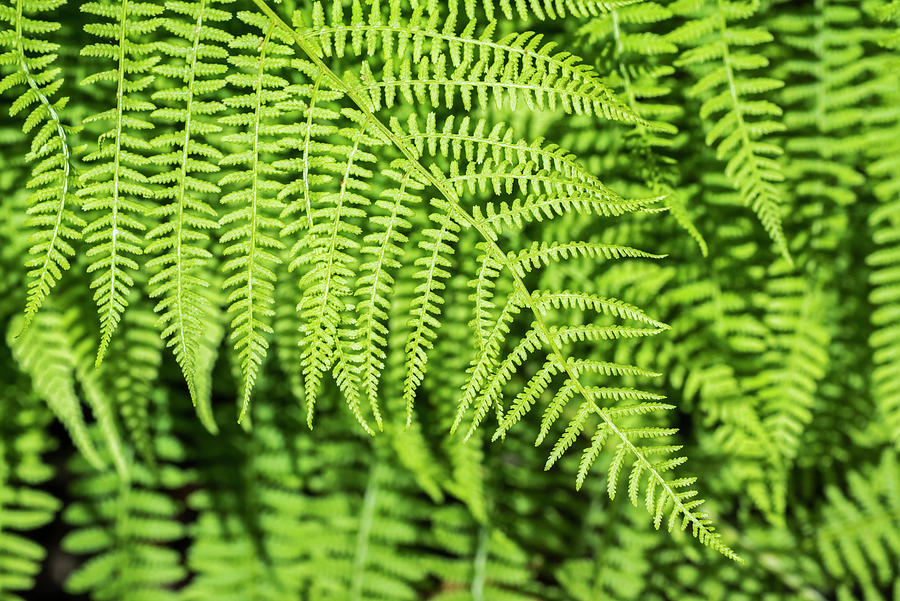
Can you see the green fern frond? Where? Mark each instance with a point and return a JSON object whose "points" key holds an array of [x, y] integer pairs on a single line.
{"points": [[516, 67], [80, 343], [383, 248], [884, 222], [24, 505], [180, 241], [127, 529], [114, 188], [858, 540], [426, 306], [50, 209], [797, 360], [368, 555], [44, 353], [617, 539], [474, 141], [250, 229], [541, 9], [207, 354], [536, 208], [819, 107], [719, 52], [484, 563], [133, 376]]}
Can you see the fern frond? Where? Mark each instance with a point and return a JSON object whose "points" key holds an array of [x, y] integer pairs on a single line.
{"points": [[858, 539], [822, 104], [541, 9], [537, 208], [516, 67], [133, 376], [884, 222], [127, 528], [720, 53], [367, 540], [382, 248], [250, 229], [797, 360], [80, 343], [43, 352], [426, 306], [114, 188], [24, 505], [50, 209], [464, 139], [483, 561], [180, 241]]}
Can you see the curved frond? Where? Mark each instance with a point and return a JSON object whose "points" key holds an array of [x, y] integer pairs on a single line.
{"points": [[37, 81], [43, 352]]}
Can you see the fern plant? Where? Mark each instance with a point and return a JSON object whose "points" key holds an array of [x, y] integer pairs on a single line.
{"points": [[299, 297]]}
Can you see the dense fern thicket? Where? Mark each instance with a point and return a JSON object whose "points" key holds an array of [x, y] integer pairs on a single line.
{"points": [[420, 299]]}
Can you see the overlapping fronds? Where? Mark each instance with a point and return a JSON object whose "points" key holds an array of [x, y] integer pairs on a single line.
{"points": [[483, 562], [644, 81], [419, 249], [426, 59], [44, 352], [858, 540], [250, 540], [126, 527]]}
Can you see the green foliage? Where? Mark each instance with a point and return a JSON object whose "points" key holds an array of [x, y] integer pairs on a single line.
{"points": [[720, 52], [26, 507], [36, 81], [113, 187], [181, 238], [858, 539], [363, 267]]}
